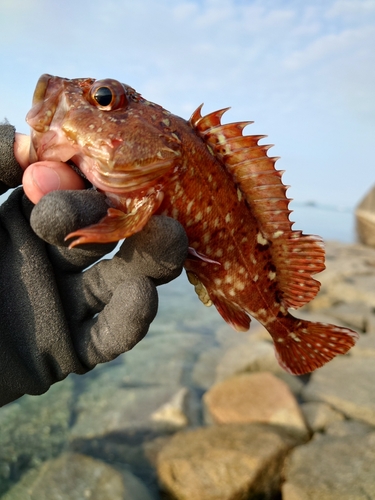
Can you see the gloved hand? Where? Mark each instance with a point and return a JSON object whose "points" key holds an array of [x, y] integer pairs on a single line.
{"points": [[56, 318]]}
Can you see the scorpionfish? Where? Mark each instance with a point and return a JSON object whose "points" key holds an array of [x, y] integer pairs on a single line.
{"points": [[221, 185]]}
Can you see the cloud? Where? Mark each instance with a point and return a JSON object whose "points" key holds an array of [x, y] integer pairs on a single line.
{"points": [[351, 10], [303, 70]]}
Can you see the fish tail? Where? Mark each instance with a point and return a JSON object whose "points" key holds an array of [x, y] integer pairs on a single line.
{"points": [[308, 346]]}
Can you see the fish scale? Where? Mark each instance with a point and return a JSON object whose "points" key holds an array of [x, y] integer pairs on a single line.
{"points": [[221, 185]]}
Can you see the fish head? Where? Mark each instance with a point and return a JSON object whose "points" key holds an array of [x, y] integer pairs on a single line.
{"points": [[118, 140]]}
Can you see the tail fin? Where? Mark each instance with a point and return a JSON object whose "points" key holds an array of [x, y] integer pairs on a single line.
{"points": [[309, 346]]}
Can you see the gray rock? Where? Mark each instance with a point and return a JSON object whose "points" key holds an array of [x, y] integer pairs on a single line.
{"points": [[319, 416], [32, 430], [148, 388], [231, 353], [355, 314], [164, 359], [75, 477], [349, 276], [332, 468], [348, 427], [225, 462], [247, 356], [346, 384], [365, 347], [124, 411]]}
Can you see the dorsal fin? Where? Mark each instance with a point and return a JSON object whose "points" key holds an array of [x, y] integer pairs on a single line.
{"points": [[296, 256]]}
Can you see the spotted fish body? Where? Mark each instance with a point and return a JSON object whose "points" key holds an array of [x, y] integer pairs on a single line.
{"points": [[221, 185]]}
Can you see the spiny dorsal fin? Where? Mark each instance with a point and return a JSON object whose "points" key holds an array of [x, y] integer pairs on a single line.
{"points": [[296, 256]]}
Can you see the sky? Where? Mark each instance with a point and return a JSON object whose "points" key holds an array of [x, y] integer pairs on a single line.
{"points": [[303, 71]]}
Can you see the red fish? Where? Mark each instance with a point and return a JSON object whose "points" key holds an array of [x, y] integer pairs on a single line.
{"points": [[221, 185]]}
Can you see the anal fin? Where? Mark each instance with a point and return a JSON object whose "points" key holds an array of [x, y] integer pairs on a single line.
{"points": [[232, 314]]}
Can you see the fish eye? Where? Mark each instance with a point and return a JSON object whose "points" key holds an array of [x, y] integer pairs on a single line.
{"points": [[103, 96], [107, 95]]}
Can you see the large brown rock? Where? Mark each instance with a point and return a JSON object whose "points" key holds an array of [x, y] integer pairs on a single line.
{"points": [[224, 462], [254, 397]]}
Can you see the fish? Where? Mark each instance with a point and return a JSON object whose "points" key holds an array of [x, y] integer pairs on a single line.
{"points": [[221, 185]]}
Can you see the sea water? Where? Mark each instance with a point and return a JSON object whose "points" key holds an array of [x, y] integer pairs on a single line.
{"points": [[329, 222]]}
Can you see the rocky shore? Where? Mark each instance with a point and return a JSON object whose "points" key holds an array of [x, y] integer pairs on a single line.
{"points": [[197, 411]]}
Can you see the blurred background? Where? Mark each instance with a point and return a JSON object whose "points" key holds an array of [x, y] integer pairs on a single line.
{"points": [[303, 71]]}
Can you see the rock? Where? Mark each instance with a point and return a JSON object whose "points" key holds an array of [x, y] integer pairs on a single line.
{"points": [[250, 356], [32, 430], [124, 411], [181, 410], [348, 427], [145, 389], [254, 397], [234, 352], [331, 468], [365, 347], [162, 360], [349, 276], [75, 477], [365, 219], [346, 384], [354, 314], [226, 462], [319, 416]]}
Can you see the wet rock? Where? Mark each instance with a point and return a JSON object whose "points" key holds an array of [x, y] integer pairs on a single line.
{"points": [[32, 430], [234, 352], [319, 416], [346, 384], [163, 359], [75, 477], [181, 410], [144, 390], [126, 410], [224, 462], [331, 468], [254, 397]]}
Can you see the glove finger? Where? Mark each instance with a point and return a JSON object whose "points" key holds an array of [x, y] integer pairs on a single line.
{"points": [[61, 212], [158, 251], [122, 323]]}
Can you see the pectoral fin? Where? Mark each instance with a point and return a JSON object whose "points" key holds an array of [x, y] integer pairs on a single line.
{"points": [[117, 225]]}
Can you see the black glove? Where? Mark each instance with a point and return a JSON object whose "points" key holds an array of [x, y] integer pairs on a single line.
{"points": [[56, 319]]}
